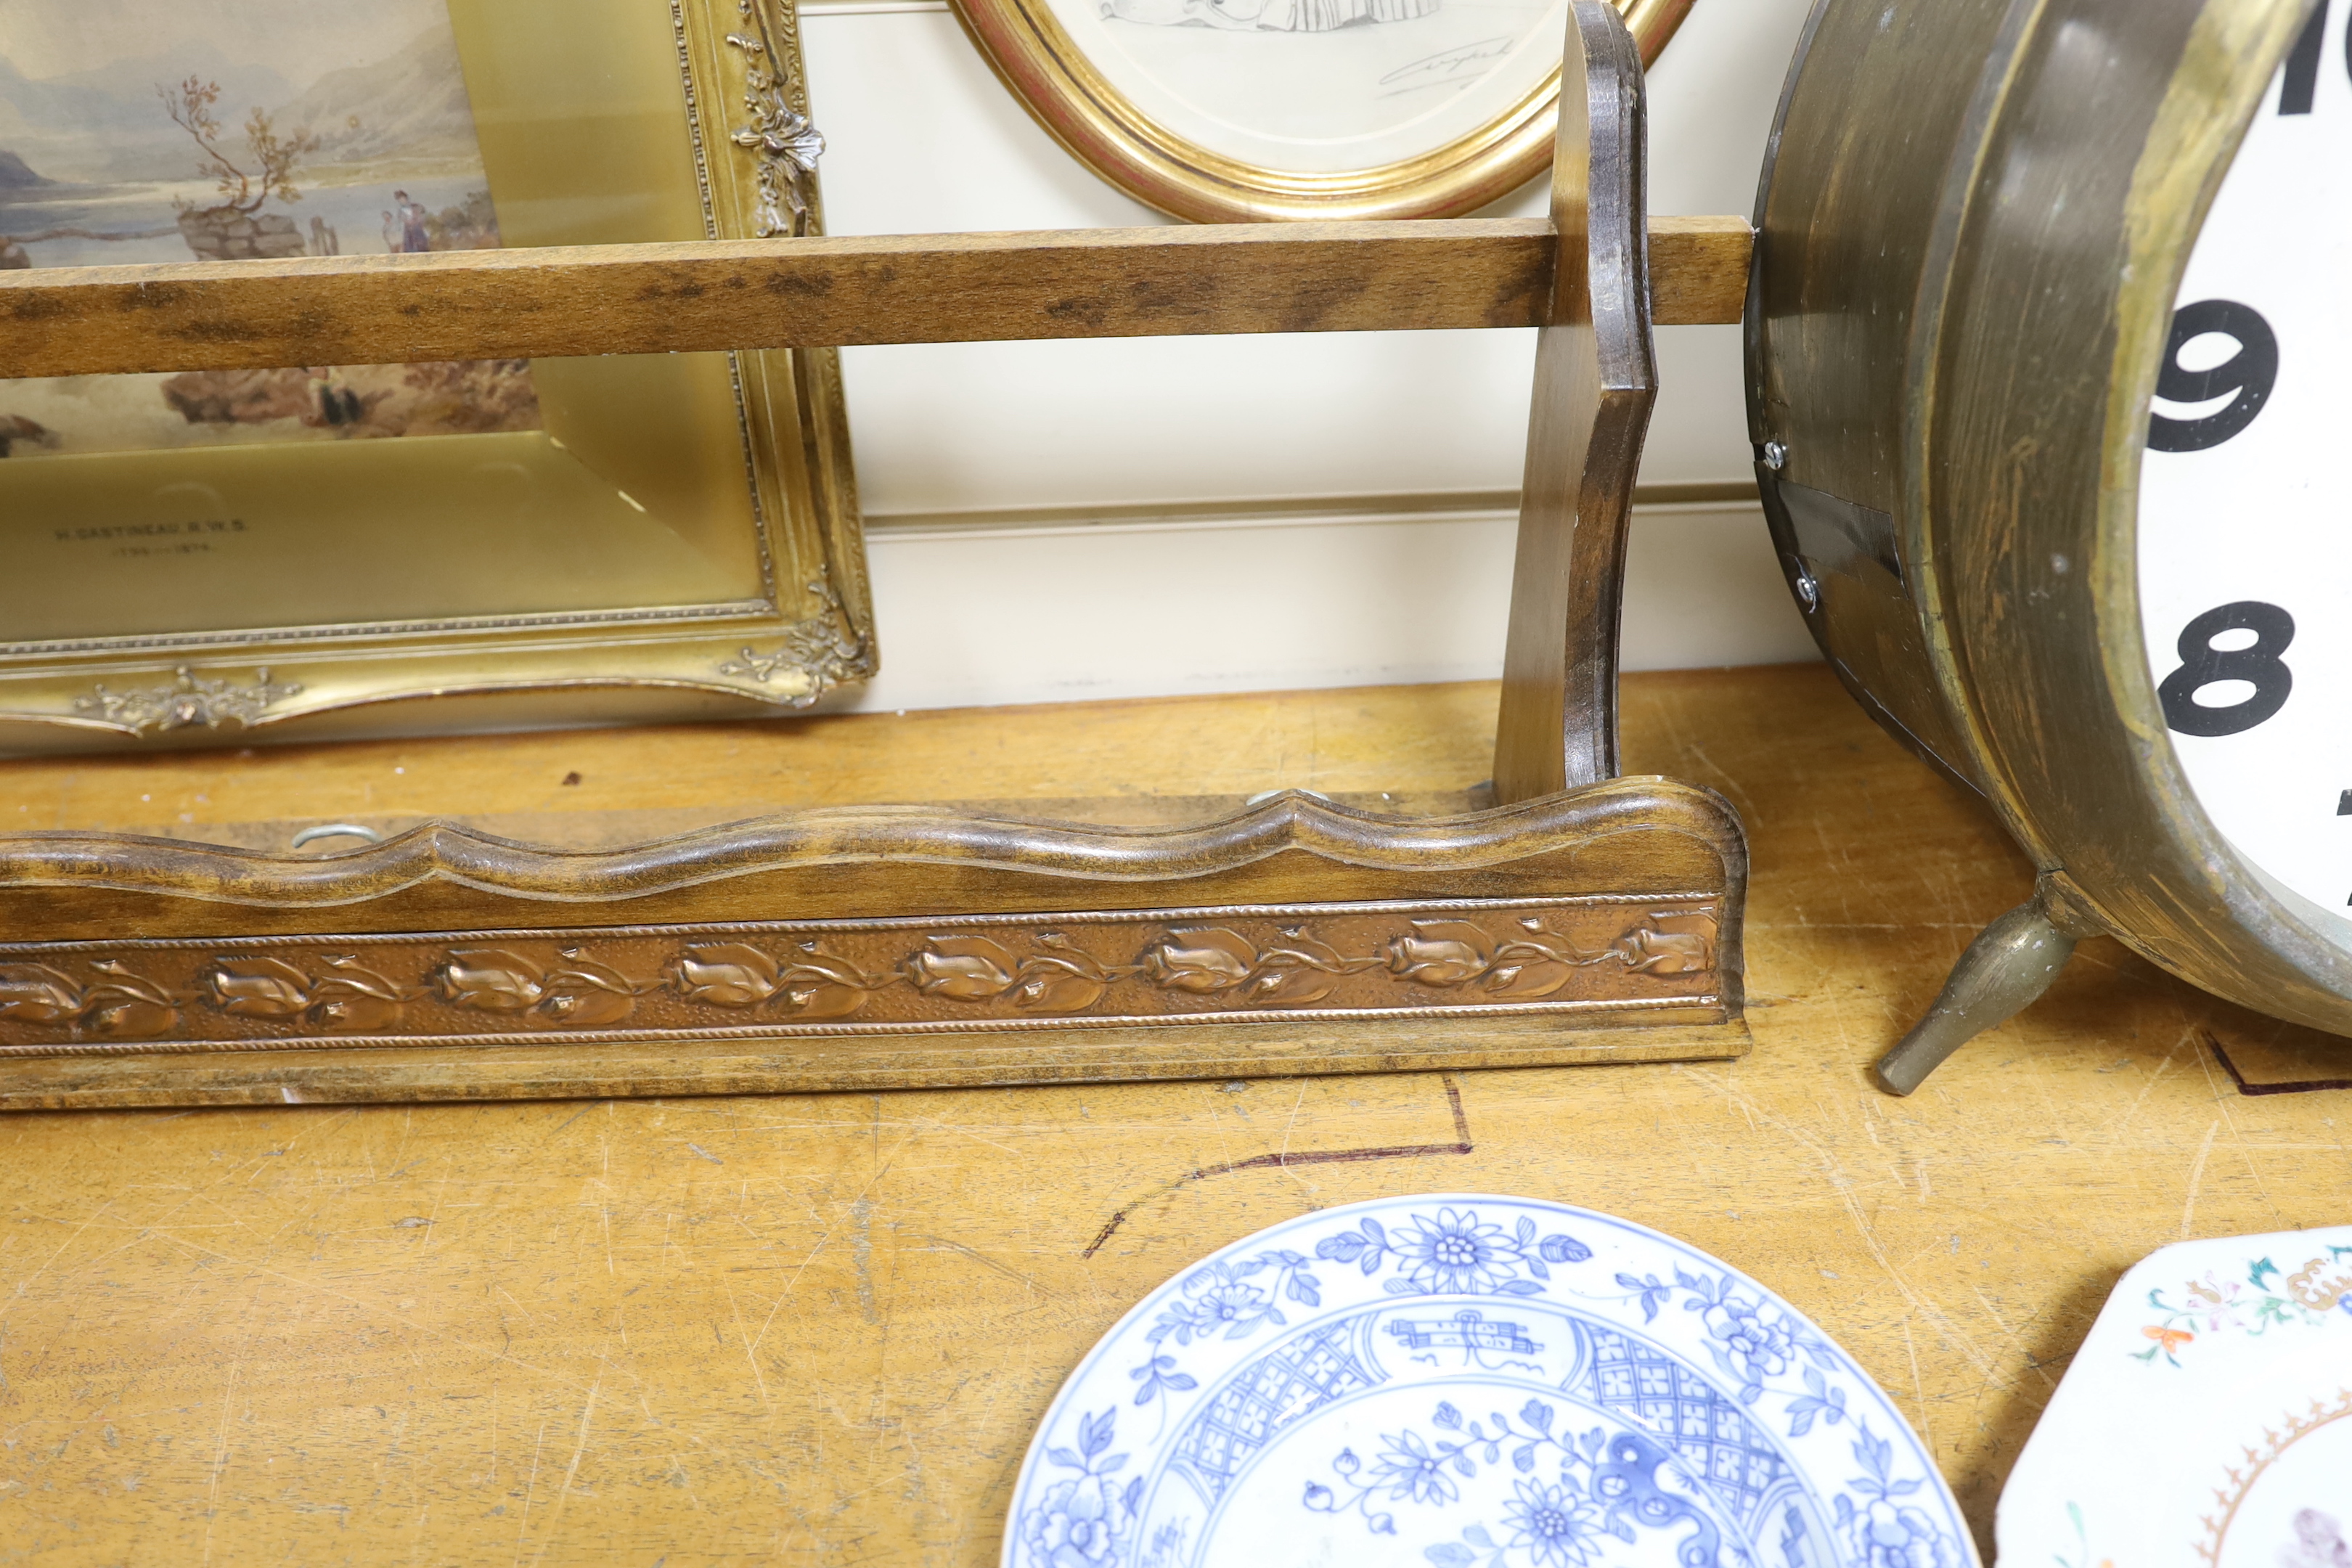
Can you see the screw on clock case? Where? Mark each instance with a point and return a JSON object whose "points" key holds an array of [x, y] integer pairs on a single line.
{"points": [[1973, 220]]}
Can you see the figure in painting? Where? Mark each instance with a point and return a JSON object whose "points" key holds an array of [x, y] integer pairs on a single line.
{"points": [[1268, 15], [415, 237], [338, 404]]}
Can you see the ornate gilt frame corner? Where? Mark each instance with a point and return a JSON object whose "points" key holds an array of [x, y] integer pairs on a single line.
{"points": [[767, 186], [1035, 56]]}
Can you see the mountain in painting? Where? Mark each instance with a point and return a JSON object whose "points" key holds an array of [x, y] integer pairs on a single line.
{"points": [[411, 106], [16, 176], [106, 124]]}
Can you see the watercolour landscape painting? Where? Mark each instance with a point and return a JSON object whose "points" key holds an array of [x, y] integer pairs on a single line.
{"points": [[146, 130]]}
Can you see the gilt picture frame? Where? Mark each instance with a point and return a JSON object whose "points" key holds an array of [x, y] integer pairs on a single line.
{"points": [[322, 552], [1242, 110]]}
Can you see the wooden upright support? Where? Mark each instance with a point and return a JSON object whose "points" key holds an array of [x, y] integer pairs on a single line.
{"points": [[1595, 381]]}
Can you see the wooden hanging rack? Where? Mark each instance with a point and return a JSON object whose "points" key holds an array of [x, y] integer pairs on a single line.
{"points": [[1583, 917]]}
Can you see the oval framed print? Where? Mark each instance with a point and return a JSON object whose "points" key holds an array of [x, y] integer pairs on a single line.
{"points": [[1470, 1381], [1235, 110]]}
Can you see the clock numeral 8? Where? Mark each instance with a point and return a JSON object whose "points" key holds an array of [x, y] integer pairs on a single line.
{"points": [[2250, 372], [2203, 665]]}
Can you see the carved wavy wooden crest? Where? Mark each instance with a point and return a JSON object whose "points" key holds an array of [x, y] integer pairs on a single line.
{"points": [[1630, 814]]}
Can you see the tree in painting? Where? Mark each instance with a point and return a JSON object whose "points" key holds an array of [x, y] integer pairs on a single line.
{"points": [[237, 228]]}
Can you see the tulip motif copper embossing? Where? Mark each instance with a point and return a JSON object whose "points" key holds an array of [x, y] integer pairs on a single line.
{"points": [[257, 988], [1210, 960], [962, 969], [727, 974], [815, 985], [1300, 972], [35, 994], [1446, 953], [488, 979], [126, 1007], [821, 986], [1442, 953], [1669, 944], [121, 1007], [356, 999], [1064, 979], [524, 984], [1203, 959], [580, 992], [586, 993], [352, 999]]}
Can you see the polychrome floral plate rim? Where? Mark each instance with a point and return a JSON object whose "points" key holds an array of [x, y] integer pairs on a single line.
{"points": [[1530, 1385], [2206, 1418]]}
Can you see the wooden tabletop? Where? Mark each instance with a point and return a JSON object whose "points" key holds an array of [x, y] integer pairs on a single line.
{"points": [[820, 1330]]}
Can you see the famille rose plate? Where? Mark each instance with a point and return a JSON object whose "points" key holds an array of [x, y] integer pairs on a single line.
{"points": [[2207, 1420], [1474, 1382]]}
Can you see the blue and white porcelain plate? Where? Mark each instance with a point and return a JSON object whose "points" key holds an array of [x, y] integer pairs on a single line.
{"points": [[1474, 1382]]}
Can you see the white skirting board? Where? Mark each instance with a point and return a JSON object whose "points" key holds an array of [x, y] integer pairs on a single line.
{"points": [[1002, 612]]}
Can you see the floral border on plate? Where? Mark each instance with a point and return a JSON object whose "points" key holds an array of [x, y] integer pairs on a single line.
{"points": [[1740, 1357]]}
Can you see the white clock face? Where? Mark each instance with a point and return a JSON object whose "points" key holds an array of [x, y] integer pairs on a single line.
{"points": [[2245, 502]]}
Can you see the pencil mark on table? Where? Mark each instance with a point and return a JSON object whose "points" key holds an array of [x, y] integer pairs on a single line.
{"points": [[2305, 1086], [1282, 1158]]}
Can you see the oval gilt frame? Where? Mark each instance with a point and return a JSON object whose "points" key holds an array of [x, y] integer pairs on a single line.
{"points": [[1034, 55]]}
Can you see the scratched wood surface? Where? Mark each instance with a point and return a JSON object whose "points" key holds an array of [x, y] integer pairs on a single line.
{"points": [[819, 1330]]}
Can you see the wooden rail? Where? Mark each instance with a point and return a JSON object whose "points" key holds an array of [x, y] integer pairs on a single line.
{"points": [[683, 297]]}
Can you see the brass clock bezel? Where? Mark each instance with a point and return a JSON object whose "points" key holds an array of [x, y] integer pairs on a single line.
{"points": [[2004, 280]]}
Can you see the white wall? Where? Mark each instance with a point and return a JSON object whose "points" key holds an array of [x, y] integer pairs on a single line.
{"points": [[1358, 536]]}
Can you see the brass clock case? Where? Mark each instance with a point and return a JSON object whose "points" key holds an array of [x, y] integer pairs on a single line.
{"points": [[1974, 219]]}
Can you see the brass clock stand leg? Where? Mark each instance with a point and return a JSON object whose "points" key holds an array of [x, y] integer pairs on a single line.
{"points": [[2012, 963]]}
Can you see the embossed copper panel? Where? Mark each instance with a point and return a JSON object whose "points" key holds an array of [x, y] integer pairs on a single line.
{"points": [[1600, 954]]}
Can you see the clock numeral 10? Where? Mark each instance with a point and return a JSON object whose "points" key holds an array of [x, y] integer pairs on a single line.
{"points": [[2250, 372], [2203, 665], [2301, 85]]}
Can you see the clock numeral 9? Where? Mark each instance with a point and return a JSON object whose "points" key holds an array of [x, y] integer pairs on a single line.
{"points": [[2250, 372], [2203, 665]]}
